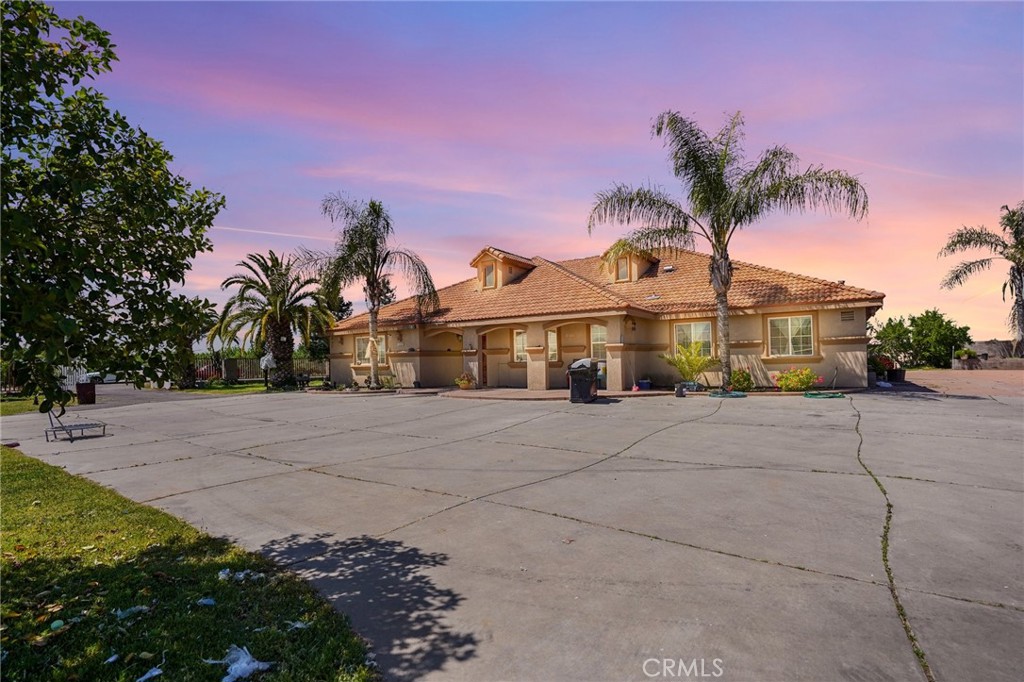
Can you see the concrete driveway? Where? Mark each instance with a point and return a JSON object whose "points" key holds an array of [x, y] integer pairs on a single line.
{"points": [[641, 539]]}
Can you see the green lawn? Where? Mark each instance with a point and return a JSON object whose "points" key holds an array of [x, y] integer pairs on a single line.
{"points": [[74, 552], [236, 389], [9, 406]]}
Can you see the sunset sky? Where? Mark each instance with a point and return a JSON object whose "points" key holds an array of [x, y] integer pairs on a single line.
{"points": [[495, 123]]}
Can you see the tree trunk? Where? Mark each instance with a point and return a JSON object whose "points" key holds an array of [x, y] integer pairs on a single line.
{"points": [[186, 368], [282, 350], [721, 280], [374, 383]]}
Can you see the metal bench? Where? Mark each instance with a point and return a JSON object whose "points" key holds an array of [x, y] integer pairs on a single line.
{"points": [[58, 427]]}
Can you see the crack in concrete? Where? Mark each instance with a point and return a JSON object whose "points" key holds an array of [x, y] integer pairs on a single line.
{"points": [[886, 528], [561, 474], [482, 498], [315, 468], [800, 470]]}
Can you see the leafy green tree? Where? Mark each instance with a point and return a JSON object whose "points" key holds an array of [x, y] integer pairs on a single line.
{"points": [[363, 254], [319, 347], [928, 339], [96, 228], [723, 195], [894, 340], [274, 301], [935, 339], [183, 367], [1010, 247]]}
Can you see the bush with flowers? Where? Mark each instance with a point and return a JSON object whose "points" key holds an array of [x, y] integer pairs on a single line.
{"points": [[794, 379], [742, 381], [465, 380]]}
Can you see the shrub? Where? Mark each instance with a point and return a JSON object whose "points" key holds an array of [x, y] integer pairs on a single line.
{"points": [[794, 379], [465, 378], [689, 362], [966, 354], [877, 364], [742, 381]]}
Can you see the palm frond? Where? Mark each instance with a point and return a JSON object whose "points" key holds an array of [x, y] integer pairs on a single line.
{"points": [[962, 272], [646, 240], [967, 238], [835, 191], [620, 248], [697, 159], [417, 273], [651, 207]]}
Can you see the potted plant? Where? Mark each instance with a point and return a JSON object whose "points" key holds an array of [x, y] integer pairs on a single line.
{"points": [[690, 364], [966, 358], [465, 381]]}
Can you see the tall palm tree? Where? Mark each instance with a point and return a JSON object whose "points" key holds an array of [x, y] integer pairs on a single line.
{"points": [[1009, 246], [274, 301], [723, 194], [363, 254]]}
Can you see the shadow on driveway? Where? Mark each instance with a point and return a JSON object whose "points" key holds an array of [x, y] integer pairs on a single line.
{"points": [[383, 586]]}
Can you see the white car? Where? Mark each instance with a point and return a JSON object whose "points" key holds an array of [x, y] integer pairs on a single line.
{"points": [[98, 378]]}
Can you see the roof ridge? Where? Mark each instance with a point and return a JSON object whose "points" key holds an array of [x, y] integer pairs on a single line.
{"points": [[808, 278], [506, 252], [366, 313], [586, 282]]}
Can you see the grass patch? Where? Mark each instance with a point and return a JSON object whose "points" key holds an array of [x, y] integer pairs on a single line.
{"points": [[9, 406], [73, 552], [235, 389]]}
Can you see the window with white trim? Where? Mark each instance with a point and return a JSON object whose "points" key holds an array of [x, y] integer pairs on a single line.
{"points": [[519, 347], [791, 335], [598, 340], [362, 350], [552, 345], [687, 333], [489, 276], [622, 270]]}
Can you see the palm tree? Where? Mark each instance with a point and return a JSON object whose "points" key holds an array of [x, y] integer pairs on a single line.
{"points": [[363, 254], [1009, 246], [724, 194], [274, 301]]}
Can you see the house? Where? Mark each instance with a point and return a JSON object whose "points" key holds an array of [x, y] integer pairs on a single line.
{"points": [[521, 321]]}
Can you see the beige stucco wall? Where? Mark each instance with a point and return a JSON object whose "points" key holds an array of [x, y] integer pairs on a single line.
{"points": [[634, 346], [840, 349]]}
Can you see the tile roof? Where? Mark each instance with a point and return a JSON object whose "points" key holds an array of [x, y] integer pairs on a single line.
{"points": [[503, 255], [582, 286]]}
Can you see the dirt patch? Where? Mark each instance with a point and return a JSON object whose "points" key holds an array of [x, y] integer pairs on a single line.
{"points": [[980, 382]]}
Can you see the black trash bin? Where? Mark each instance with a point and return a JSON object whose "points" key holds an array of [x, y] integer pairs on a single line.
{"points": [[582, 381], [86, 393]]}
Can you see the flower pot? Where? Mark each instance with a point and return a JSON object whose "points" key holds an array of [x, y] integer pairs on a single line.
{"points": [[896, 375], [465, 385]]}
